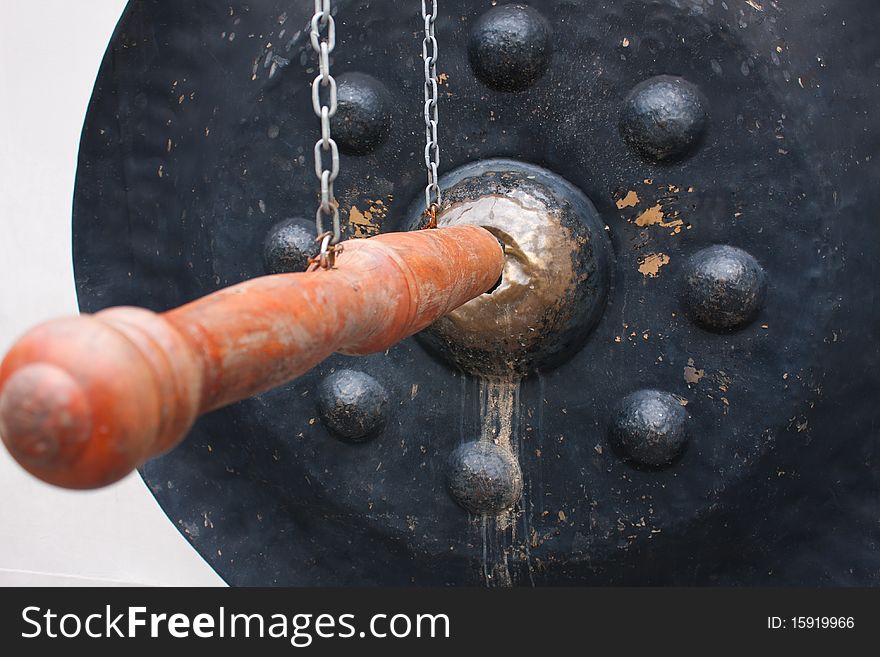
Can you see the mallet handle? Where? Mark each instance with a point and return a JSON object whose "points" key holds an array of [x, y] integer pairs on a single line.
{"points": [[84, 400]]}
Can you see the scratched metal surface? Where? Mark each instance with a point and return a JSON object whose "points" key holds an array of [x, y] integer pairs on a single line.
{"points": [[199, 137]]}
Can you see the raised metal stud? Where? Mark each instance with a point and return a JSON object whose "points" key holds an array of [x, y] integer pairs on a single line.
{"points": [[649, 429], [363, 118], [289, 245], [510, 47], [352, 405], [722, 288], [484, 477], [663, 118]]}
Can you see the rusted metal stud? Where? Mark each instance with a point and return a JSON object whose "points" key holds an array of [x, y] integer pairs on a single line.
{"points": [[723, 288], [649, 429], [289, 245], [664, 118], [353, 405], [484, 477], [363, 117], [510, 47]]}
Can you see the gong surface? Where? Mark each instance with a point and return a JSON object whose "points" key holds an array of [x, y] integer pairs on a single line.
{"points": [[199, 140]]}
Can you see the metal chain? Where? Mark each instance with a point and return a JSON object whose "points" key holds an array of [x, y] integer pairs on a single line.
{"points": [[323, 45], [432, 148]]}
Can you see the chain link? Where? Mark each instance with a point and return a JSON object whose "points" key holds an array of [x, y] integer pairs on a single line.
{"points": [[323, 37], [432, 148]]}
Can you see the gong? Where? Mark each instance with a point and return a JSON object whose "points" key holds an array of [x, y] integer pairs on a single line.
{"points": [[695, 405]]}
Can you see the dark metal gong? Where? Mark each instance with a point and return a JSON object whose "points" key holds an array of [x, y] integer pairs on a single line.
{"points": [[701, 410]]}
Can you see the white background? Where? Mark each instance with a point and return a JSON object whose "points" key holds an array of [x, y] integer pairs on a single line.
{"points": [[50, 52]]}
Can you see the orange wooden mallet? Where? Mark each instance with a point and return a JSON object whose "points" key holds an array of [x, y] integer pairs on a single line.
{"points": [[85, 400]]}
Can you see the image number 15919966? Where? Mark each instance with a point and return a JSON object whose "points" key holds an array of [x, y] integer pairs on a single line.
{"points": [[811, 623]]}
